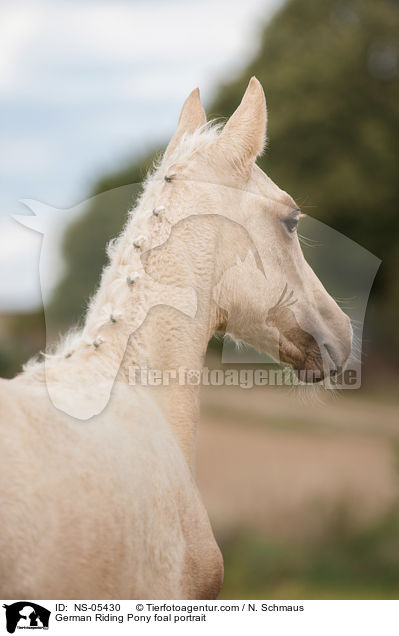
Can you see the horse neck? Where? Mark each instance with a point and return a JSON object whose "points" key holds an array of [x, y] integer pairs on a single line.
{"points": [[168, 315], [171, 343]]}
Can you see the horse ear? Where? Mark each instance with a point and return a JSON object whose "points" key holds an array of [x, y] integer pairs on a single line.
{"points": [[192, 116], [243, 137]]}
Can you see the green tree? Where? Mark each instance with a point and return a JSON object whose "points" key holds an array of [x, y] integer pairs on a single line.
{"points": [[330, 72]]}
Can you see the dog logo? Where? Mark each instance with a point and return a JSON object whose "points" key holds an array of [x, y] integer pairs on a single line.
{"points": [[26, 615]]}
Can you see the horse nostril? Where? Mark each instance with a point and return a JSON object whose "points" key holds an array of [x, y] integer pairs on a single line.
{"points": [[329, 350], [337, 369]]}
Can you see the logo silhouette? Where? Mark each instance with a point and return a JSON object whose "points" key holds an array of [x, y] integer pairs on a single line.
{"points": [[26, 615]]}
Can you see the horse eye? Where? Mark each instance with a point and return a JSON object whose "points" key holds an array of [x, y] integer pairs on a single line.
{"points": [[291, 223]]}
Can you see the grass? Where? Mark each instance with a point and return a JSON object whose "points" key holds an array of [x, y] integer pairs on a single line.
{"points": [[343, 564]]}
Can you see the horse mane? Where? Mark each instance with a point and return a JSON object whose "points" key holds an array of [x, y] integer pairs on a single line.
{"points": [[113, 294]]}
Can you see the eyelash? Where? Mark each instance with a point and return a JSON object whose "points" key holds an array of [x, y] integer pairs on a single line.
{"points": [[291, 224]]}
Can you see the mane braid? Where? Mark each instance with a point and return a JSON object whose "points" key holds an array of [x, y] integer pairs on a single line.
{"points": [[149, 222]]}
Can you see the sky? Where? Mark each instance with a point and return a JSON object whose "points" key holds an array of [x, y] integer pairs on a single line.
{"points": [[85, 85]]}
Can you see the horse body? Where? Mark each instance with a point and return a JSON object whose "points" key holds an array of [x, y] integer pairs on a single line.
{"points": [[97, 489], [105, 509]]}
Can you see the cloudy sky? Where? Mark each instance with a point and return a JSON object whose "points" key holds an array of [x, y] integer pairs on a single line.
{"points": [[87, 84]]}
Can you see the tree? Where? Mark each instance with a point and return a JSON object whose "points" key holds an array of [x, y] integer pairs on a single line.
{"points": [[330, 72]]}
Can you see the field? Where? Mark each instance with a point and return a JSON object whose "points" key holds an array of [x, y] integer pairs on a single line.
{"points": [[302, 491]]}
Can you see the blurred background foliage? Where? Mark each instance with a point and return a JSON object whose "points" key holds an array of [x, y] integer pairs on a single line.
{"points": [[330, 70]]}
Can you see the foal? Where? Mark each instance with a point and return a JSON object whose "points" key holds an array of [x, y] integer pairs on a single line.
{"points": [[107, 507]]}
